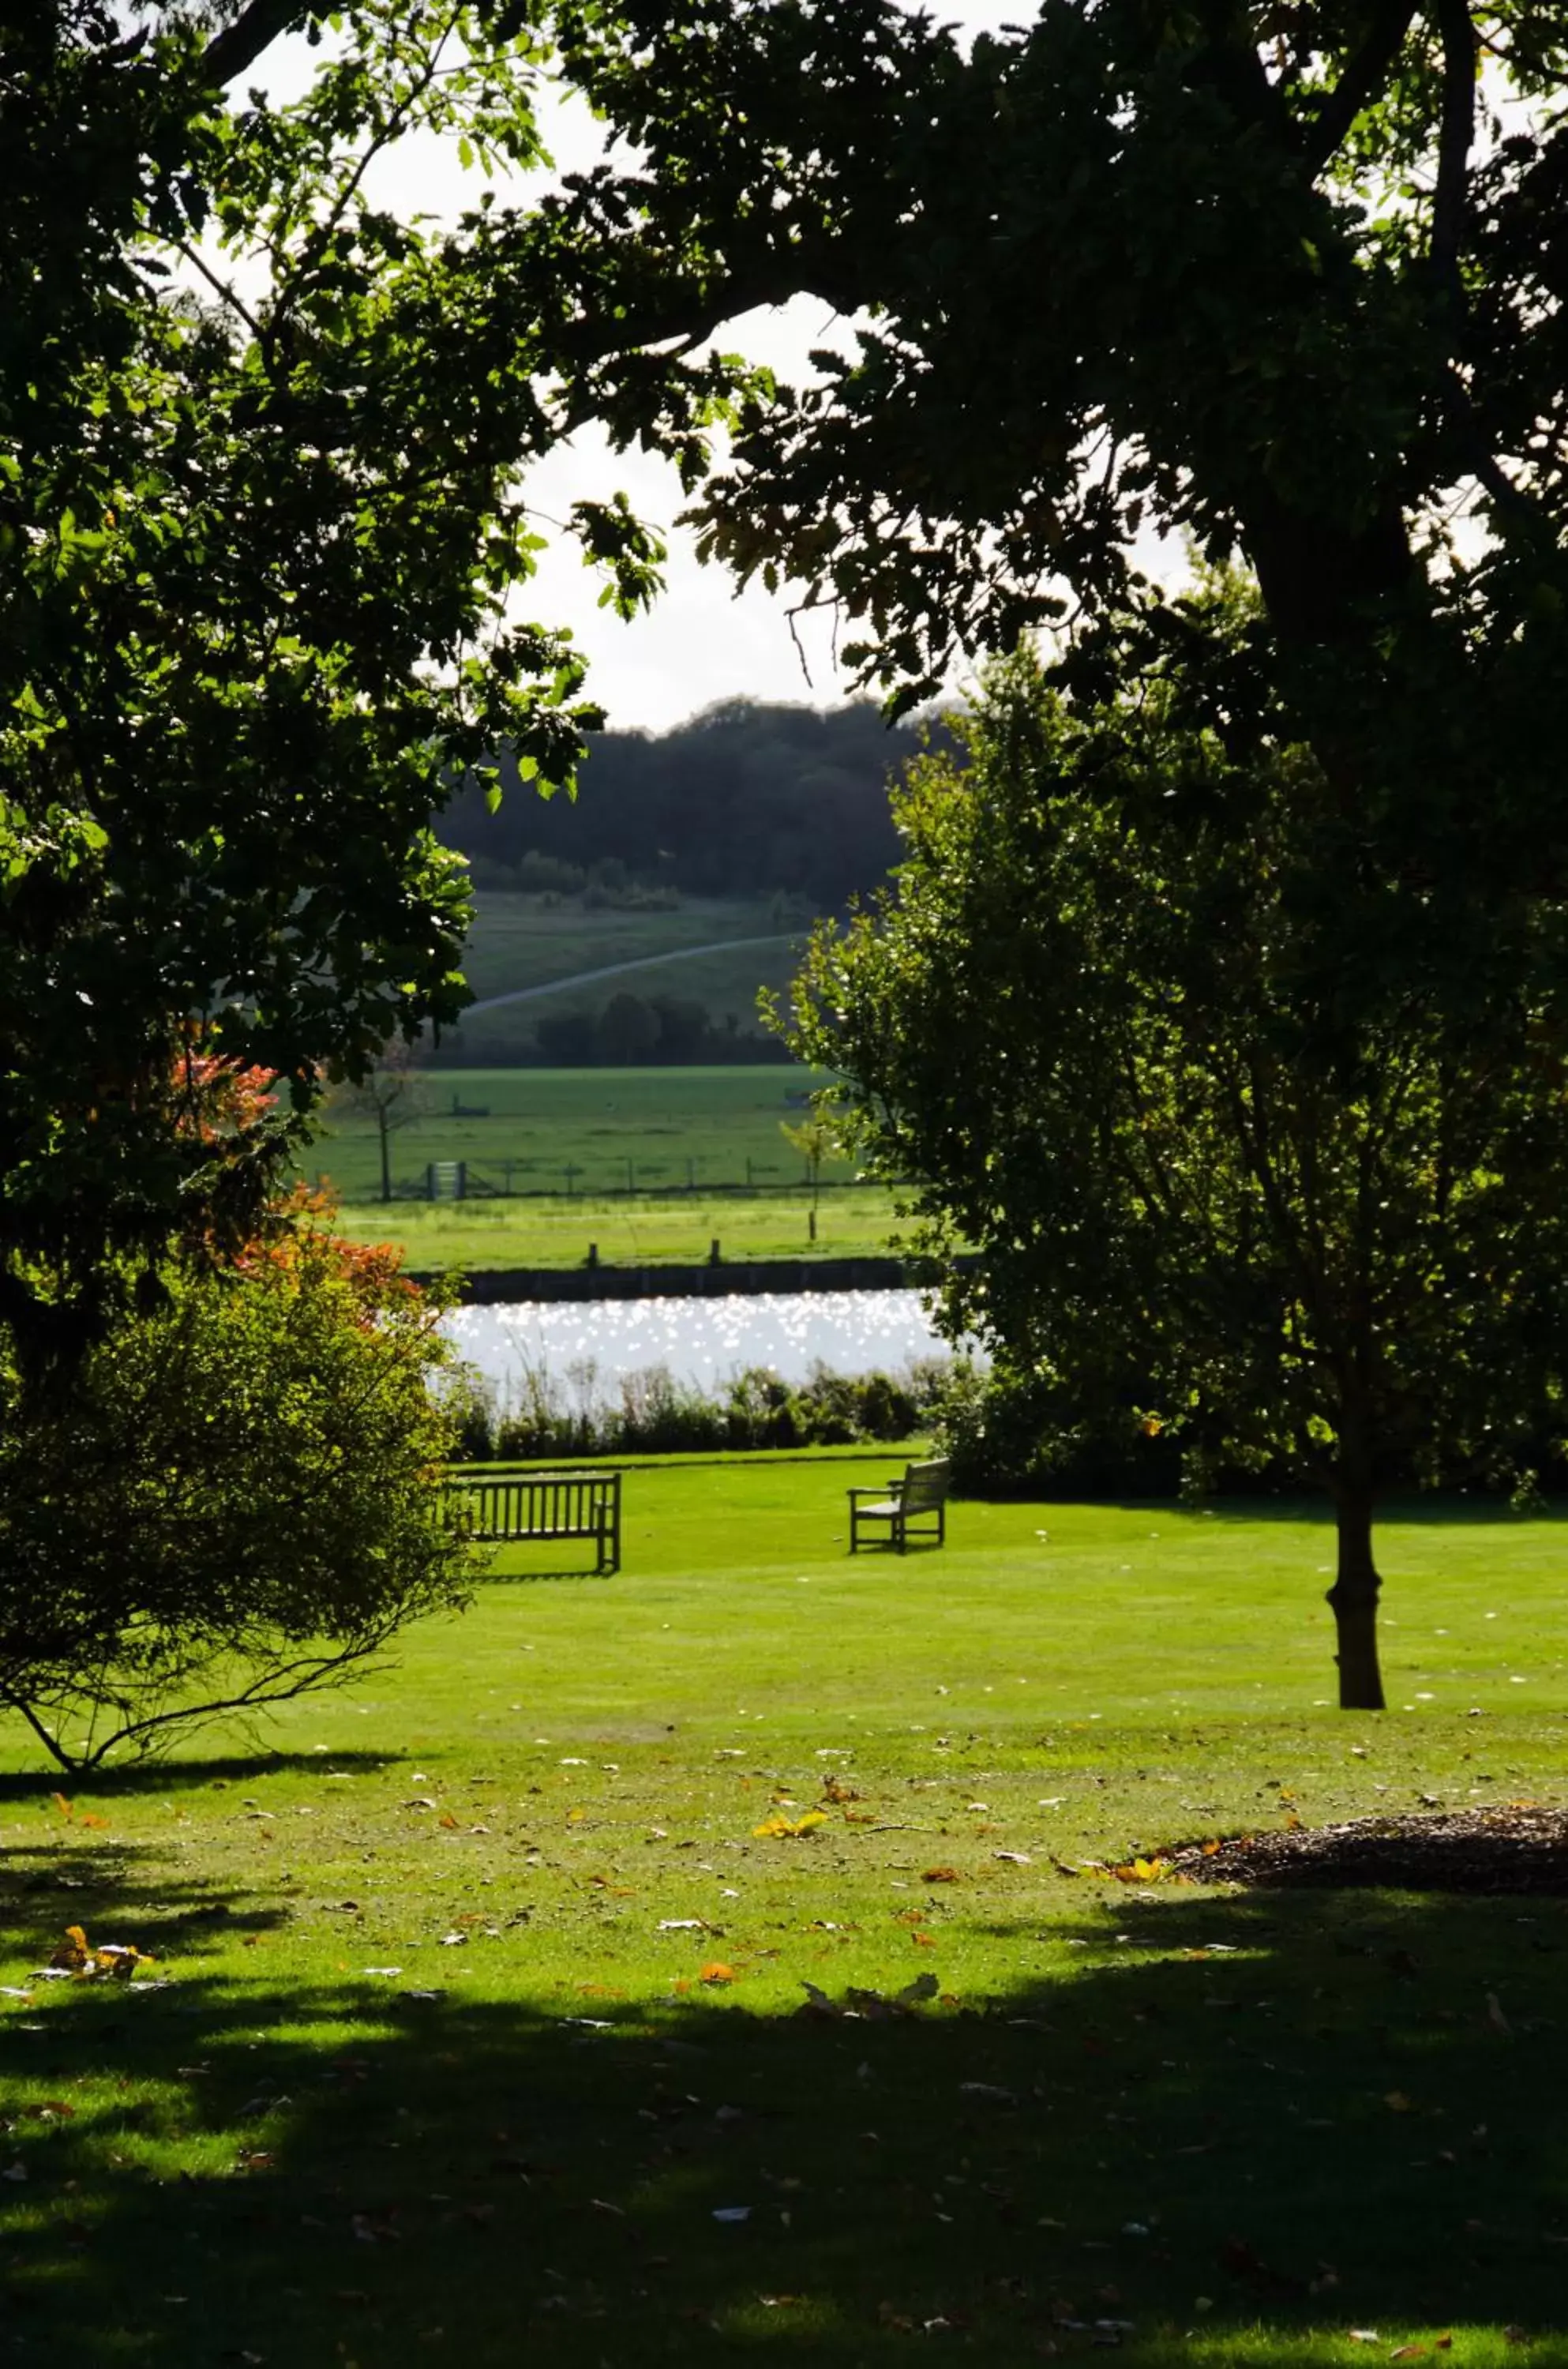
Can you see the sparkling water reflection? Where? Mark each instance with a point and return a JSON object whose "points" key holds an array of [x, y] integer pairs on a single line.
{"points": [[702, 1342]]}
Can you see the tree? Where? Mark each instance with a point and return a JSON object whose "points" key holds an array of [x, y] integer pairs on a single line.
{"points": [[816, 1141], [1088, 1027], [393, 1096], [1290, 284], [261, 511], [240, 1498]]}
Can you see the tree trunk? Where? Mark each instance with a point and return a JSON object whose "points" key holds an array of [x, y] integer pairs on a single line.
{"points": [[1354, 1597]]}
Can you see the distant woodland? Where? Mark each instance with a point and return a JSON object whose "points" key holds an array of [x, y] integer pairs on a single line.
{"points": [[746, 799]]}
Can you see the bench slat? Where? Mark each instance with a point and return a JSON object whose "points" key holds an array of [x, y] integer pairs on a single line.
{"points": [[506, 1507]]}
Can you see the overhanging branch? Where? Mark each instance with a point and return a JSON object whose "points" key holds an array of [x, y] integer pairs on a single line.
{"points": [[1458, 133], [1362, 77], [254, 30]]}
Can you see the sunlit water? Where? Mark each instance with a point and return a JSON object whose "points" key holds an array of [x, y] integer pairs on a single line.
{"points": [[702, 1342]]}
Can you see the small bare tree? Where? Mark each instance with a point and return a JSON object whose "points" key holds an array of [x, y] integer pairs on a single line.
{"points": [[393, 1095], [816, 1141]]}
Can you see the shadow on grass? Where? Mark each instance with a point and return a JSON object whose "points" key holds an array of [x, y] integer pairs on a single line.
{"points": [[508, 1578], [1314, 2114], [159, 1775], [1418, 1508]]}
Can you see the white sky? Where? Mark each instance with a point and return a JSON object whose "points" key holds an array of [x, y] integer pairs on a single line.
{"points": [[702, 641]]}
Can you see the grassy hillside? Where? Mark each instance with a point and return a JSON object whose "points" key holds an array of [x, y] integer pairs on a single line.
{"points": [[524, 941]]}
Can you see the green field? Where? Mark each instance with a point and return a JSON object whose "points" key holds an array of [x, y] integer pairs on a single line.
{"points": [[521, 942], [585, 1131], [680, 1230], [484, 2034]]}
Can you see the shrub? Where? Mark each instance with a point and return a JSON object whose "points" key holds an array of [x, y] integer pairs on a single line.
{"points": [[239, 1497], [1009, 1434], [656, 1414]]}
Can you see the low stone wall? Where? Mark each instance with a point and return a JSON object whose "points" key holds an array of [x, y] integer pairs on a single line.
{"points": [[491, 1287]]}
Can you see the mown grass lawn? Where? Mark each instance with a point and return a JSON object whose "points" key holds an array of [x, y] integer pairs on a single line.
{"points": [[482, 2038]]}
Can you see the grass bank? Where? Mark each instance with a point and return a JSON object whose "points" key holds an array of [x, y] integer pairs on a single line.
{"points": [[482, 2027], [641, 1232]]}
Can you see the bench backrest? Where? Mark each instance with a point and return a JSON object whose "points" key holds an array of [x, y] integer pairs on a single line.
{"points": [[513, 1505], [924, 1485]]}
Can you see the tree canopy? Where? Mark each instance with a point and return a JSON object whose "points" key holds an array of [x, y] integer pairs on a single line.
{"points": [[1287, 283], [1297, 1240], [748, 798], [260, 513]]}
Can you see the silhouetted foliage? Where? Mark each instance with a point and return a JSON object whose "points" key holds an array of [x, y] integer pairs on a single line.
{"points": [[744, 799]]}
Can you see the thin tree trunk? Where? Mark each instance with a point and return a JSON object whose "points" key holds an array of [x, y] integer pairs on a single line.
{"points": [[1354, 1597]]}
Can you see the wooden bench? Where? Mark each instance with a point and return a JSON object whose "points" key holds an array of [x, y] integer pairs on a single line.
{"points": [[505, 1502], [911, 1507]]}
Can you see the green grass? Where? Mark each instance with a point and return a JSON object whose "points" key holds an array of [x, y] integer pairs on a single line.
{"points": [[479, 1234], [588, 1131], [1246, 2124], [520, 942]]}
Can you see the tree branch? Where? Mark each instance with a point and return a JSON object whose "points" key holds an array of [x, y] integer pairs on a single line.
{"points": [[255, 29], [1453, 22], [1361, 79]]}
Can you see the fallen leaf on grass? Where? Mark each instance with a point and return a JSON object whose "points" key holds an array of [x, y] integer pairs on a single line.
{"points": [[941, 1875], [716, 1972], [446, 1819], [1013, 1858], [790, 1829], [118, 1961], [780, 2303], [1362, 2336], [870, 2005], [1139, 1871], [1408, 2353]]}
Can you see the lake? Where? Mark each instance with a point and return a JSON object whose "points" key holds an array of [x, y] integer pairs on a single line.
{"points": [[591, 1344]]}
